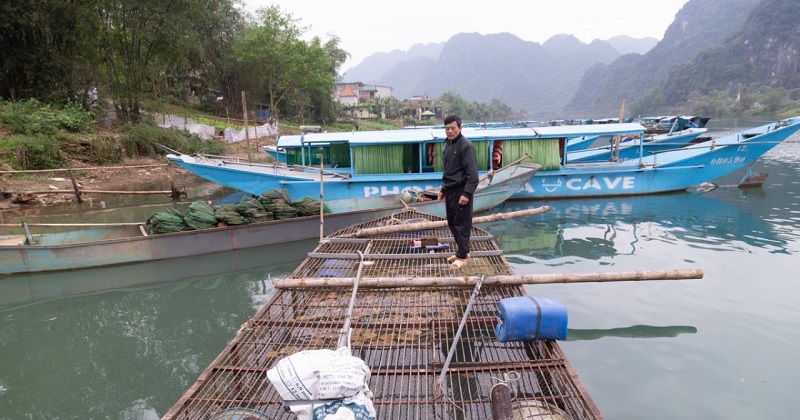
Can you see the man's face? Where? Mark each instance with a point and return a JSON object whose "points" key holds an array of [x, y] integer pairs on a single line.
{"points": [[452, 130]]}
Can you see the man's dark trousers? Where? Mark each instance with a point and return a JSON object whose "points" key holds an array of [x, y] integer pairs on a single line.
{"points": [[459, 220]]}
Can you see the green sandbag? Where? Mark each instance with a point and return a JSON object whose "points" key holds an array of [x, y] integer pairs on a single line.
{"points": [[227, 214], [308, 206], [253, 210], [278, 203], [165, 222], [200, 215]]}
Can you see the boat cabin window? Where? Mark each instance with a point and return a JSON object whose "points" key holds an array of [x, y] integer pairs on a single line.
{"points": [[384, 159], [545, 152], [334, 155], [408, 157]]}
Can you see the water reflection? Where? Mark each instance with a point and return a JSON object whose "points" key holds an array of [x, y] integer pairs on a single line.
{"points": [[25, 289], [596, 229], [634, 331], [122, 342]]}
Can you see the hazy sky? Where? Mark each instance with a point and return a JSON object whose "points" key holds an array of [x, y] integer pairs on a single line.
{"points": [[369, 26]]}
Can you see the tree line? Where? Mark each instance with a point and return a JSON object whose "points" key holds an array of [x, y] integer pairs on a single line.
{"points": [[125, 51]]}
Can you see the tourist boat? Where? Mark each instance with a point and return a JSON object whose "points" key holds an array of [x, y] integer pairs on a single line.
{"points": [[129, 242], [278, 154], [370, 163], [605, 149], [672, 123]]}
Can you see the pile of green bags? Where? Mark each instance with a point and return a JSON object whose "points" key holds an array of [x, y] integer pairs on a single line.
{"points": [[272, 204]]}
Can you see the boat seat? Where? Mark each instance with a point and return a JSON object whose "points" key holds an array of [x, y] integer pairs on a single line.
{"points": [[15, 240]]}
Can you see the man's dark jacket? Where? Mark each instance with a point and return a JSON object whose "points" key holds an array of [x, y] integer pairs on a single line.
{"points": [[460, 165]]}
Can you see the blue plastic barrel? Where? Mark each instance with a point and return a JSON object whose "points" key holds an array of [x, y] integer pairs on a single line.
{"points": [[526, 318]]}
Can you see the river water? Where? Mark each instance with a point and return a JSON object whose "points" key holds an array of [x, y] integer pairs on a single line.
{"points": [[126, 342]]}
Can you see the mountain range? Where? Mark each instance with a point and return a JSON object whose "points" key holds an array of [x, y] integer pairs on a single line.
{"points": [[747, 41]]}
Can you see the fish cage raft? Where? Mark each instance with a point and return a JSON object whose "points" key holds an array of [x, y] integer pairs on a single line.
{"points": [[403, 333]]}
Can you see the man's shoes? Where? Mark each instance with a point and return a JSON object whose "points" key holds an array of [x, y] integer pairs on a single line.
{"points": [[453, 257], [458, 263]]}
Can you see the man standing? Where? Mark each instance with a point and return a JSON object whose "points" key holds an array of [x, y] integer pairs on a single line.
{"points": [[459, 181]]}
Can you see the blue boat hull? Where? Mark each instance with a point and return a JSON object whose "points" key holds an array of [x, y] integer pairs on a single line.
{"points": [[698, 166], [669, 171], [488, 194]]}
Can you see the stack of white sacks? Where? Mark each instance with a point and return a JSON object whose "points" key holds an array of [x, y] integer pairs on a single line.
{"points": [[324, 384]]}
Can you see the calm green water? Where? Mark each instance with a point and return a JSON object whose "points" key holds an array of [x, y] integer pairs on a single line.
{"points": [[125, 343]]}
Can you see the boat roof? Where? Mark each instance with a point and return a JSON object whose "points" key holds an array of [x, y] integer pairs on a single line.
{"points": [[362, 138]]}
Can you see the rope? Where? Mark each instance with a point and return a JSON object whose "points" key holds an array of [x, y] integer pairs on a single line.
{"points": [[508, 379]]}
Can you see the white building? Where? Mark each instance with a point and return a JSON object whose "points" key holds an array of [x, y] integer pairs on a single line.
{"points": [[359, 93]]}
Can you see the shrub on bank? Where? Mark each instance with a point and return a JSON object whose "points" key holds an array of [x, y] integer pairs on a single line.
{"points": [[34, 135], [31, 152], [31, 117]]}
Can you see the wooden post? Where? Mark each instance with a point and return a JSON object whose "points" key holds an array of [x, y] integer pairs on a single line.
{"points": [[321, 200], [75, 186], [27, 233], [255, 126], [619, 138], [175, 193], [246, 132]]}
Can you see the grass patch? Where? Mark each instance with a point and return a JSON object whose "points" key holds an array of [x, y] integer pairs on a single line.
{"points": [[25, 152], [143, 140], [31, 117]]}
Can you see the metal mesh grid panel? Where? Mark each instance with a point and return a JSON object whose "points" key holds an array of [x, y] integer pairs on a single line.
{"points": [[403, 334]]}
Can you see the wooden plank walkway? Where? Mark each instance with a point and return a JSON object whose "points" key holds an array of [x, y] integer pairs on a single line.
{"points": [[403, 334]]}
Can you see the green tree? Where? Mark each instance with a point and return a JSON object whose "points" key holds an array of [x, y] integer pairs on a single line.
{"points": [[49, 49], [324, 107], [282, 67], [773, 100], [146, 41]]}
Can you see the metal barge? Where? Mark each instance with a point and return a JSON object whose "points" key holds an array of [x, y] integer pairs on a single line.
{"points": [[405, 331]]}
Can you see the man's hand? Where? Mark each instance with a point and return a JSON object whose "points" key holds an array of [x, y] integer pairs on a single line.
{"points": [[441, 196], [463, 200]]}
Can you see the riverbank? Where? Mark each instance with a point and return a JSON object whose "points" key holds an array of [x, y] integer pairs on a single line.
{"points": [[18, 191]]}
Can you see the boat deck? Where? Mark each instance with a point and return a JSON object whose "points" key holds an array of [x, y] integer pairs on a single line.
{"points": [[403, 333]]}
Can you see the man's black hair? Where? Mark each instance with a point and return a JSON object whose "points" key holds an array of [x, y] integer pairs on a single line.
{"points": [[450, 118]]}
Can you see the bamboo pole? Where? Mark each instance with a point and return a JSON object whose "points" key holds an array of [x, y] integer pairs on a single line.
{"points": [[93, 168], [491, 173], [89, 192], [72, 224], [389, 282], [410, 227]]}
